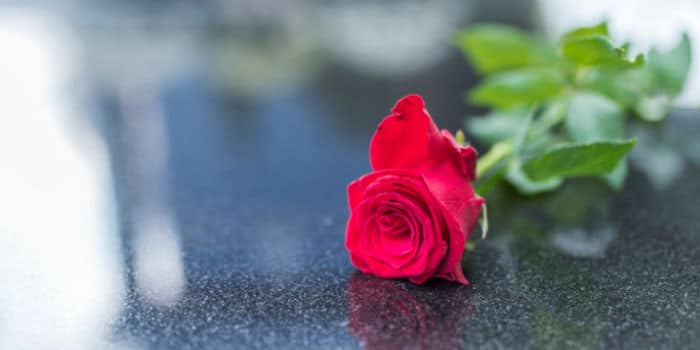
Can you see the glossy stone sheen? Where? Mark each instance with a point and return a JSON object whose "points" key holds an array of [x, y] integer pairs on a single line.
{"points": [[258, 195], [232, 130]]}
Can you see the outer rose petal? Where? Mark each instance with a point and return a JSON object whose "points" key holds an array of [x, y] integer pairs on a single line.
{"points": [[406, 138], [451, 267], [409, 139], [451, 187], [465, 157]]}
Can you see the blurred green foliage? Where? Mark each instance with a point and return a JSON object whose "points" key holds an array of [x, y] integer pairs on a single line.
{"points": [[558, 108]]}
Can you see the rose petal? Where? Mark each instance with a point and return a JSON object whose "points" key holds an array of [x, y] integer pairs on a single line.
{"points": [[465, 157], [422, 257], [405, 194], [405, 138]]}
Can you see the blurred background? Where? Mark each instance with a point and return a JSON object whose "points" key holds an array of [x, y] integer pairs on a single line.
{"points": [[150, 150]]}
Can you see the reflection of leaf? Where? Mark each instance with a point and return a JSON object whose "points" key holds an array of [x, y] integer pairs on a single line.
{"points": [[660, 162], [493, 47], [577, 203], [560, 321], [553, 332], [595, 158], [517, 88]]}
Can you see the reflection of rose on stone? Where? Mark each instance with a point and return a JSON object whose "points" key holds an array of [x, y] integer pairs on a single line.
{"points": [[387, 314]]}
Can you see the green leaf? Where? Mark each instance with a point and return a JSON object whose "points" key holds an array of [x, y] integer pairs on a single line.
{"points": [[670, 69], [460, 138], [598, 29], [596, 50], [518, 88], [490, 166], [521, 135], [552, 115], [538, 137], [623, 86], [493, 47], [538, 144], [526, 185], [485, 183], [496, 126], [593, 117], [489, 160], [595, 158]]}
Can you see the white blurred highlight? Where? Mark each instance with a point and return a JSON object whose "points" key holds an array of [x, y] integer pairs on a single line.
{"points": [[645, 23], [391, 38], [157, 260], [158, 267], [60, 259], [581, 243]]}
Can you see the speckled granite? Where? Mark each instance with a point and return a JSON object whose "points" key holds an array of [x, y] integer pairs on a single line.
{"points": [[258, 194], [233, 128]]}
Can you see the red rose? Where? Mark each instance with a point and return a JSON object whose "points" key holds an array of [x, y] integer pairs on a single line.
{"points": [[412, 215]]}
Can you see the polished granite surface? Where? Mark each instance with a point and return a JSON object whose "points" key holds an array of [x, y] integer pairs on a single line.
{"points": [[228, 195], [258, 195]]}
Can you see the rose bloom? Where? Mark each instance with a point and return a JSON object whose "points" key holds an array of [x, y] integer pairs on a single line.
{"points": [[411, 216]]}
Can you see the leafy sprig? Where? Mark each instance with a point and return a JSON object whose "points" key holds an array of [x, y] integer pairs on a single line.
{"points": [[558, 109]]}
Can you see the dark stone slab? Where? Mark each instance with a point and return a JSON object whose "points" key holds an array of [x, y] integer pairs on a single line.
{"points": [[257, 190]]}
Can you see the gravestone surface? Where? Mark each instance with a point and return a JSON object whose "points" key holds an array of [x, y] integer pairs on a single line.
{"points": [[231, 140], [257, 194]]}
